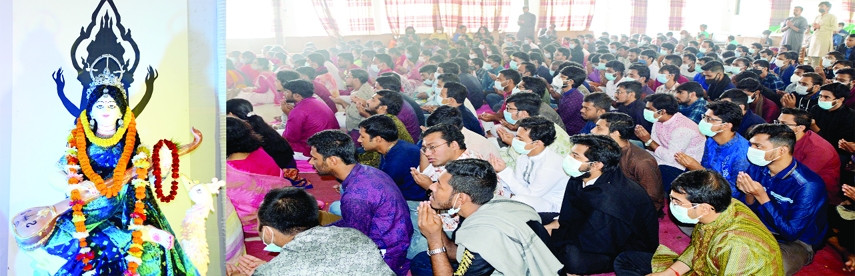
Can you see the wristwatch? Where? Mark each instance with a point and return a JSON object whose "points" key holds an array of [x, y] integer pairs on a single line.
{"points": [[436, 251], [647, 144]]}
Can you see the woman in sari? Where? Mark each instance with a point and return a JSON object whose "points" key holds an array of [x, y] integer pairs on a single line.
{"points": [[264, 91], [110, 241], [250, 174]]}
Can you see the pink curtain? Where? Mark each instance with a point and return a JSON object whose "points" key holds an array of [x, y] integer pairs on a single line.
{"points": [[781, 10], [472, 13], [638, 20], [849, 7], [410, 13], [567, 15], [360, 17], [324, 12], [675, 20]]}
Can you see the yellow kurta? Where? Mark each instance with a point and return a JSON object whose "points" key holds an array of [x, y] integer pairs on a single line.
{"points": [[822, 41]]}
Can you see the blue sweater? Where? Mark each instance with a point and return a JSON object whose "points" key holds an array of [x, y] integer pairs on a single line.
{"points": [[397, 163], [797, 206]]}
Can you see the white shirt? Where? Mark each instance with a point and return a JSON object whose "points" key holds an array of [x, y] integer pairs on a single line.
{"points": [[611, 87], [687, 74], [538, 181], [435, 172], [654, 70], [339, 82], [590, 182]]}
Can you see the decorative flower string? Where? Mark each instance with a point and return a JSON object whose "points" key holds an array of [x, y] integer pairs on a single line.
{"points": [[106, 142], [78, 160], [158, 178]]}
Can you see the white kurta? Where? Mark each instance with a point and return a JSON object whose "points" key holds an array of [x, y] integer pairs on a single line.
{"points": [[538, 181], [822, 41]]}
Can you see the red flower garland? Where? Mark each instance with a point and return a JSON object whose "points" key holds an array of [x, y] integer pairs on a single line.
{"points": [[158, 179]]}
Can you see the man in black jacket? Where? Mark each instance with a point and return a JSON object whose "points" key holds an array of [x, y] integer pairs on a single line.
{"points": [[604, 213]]}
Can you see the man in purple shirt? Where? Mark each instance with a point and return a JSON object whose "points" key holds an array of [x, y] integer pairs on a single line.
{"points": [[306, 114], [370, 200], [571, 99], [408, 114]]}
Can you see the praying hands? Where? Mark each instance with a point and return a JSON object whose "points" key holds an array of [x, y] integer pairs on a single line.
{"points": [[752, 189]]}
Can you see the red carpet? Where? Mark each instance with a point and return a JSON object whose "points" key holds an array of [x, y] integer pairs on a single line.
{"points": [[827, 261]]}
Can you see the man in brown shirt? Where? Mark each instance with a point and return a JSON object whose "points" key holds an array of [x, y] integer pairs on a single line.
{"points": [[635, 162]]}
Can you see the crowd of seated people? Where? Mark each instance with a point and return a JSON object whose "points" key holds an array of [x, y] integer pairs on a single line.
{"points": [[482, 154]]}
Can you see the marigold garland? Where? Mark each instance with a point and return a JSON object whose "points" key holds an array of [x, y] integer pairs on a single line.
{"points": [[106, 142], [77, 158], [158, 178]]}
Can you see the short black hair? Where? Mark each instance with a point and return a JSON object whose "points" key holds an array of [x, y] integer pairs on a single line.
{"points": [[801, 117], [303, 88], [692, 87], [445, 115], [334, 143], [456, 91], [633, 87], [665, 102], [346, 56], [428, 68], [600, 100], [528, 102], [462, 64], [642, 70], [779, 135], [392, 100], [749, 84], [511, 74], [672, 69], [289, 210], [578, 75], [286, 76], [449, 68], [317, 58], [618, 67], [521, 55], [600, 149], [310, 72], [649, 53], [450, 133], [676, 60], [839, 90], [620, 122], [384, 58], [380, 125], [389, 83], [473, 177], [536, 85], [704, 186], [736, 96], [240, 138], [447, 77], [728, 112], [540, 129], [713, 66], [762, 63]]}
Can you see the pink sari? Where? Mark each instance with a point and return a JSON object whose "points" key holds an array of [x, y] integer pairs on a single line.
{"points": [[246, 191]]}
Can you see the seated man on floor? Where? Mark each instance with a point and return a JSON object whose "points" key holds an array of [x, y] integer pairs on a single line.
{"points": [[786, 195], [477, 143], [288, 223], [638, 164], [672, 133], [525, 105], [749, 118], [370, 200], [537, 179], [306, 115], [378, 133], [453, 94], [729, 239], [725, 150], [496, 235], [604, 213]]}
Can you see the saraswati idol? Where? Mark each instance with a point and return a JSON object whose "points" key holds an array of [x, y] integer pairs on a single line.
{"points": [[110, 224]]}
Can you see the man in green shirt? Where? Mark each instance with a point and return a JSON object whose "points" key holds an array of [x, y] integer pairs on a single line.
{"points": [[729, 239]]}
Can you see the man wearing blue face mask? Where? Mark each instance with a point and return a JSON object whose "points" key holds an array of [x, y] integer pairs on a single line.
{"points": [[537, 179], [740, 245], [786, 195], [600, 199], [288, 224]]}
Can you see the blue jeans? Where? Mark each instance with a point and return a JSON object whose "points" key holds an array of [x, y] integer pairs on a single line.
{"points": [[335, 208], [418, 243], [495, 101], [668, 175]]}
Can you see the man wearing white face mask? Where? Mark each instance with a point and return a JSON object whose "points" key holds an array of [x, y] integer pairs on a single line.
{"points": [[786, 195], [612, 204], [805, 93], [704, 198], [725, 150], [537, 179], [288, 224]]}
